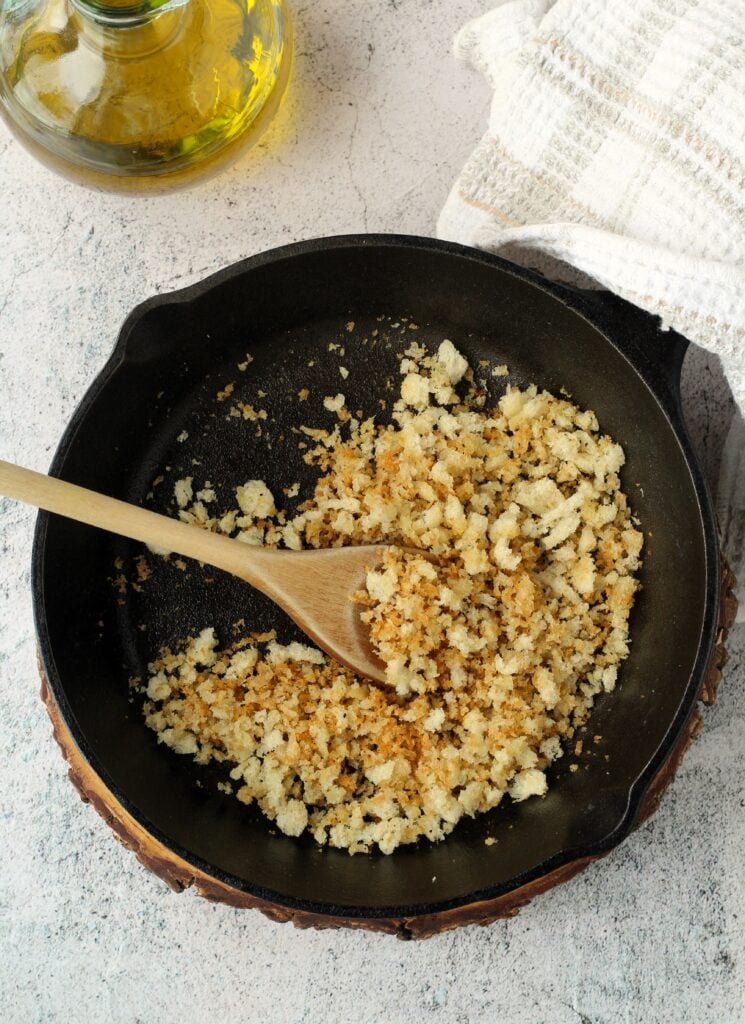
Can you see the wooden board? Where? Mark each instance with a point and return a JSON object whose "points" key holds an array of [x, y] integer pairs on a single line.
{"points": [[180, 875]]}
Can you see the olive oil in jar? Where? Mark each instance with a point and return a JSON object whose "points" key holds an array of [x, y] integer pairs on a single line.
{"points": [[140, 95]]}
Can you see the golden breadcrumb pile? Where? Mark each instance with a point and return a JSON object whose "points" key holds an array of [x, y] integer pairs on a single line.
{"points": [[494, 652]]}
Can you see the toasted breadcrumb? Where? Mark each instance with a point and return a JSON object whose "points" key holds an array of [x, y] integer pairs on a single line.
{"points": [[494, 655], [334, 404], [255, 499], [144, 571], [247, 412], [183, 491]]}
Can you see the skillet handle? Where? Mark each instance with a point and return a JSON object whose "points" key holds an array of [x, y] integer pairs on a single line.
{"points": [[658, 353]]}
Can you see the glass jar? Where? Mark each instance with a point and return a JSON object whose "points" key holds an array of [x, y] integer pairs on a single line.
{"points": [[137, 95]]}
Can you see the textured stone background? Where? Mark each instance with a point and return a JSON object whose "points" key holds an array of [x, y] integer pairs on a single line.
{"points": [[378, 120]]}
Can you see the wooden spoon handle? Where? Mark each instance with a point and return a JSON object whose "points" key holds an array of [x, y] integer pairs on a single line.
{"points": [[95, 509]]}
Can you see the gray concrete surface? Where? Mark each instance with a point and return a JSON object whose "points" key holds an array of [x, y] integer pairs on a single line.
{"points": [[377, 123]]}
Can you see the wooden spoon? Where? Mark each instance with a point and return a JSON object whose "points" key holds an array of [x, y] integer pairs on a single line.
{"points": [[314, 587]]}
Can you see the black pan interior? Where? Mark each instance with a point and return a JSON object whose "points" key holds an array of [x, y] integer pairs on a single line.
{"points": [[174, 356]]}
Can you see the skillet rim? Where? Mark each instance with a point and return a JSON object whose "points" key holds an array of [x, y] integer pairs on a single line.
{"points": [[661, 376]]}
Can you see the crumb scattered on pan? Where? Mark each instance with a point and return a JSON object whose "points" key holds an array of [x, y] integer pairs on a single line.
{"points": [[334, 404], [247, 412], [144, 569], [494, 655], [183, 491]]}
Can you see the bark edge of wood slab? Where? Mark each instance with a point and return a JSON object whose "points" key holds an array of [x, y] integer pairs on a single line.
{"points": [[179, 875]]}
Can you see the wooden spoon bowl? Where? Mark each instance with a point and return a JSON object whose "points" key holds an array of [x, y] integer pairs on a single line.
{"points": [[316, 588]]}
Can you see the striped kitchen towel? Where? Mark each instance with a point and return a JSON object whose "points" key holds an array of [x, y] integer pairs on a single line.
{"points": [[615, 157]]}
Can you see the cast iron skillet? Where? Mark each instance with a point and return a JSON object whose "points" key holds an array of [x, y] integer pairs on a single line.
{"points": [[174, 353]]}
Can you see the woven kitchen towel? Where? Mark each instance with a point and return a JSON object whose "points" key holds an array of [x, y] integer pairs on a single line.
{"points": [[615, 157]]}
